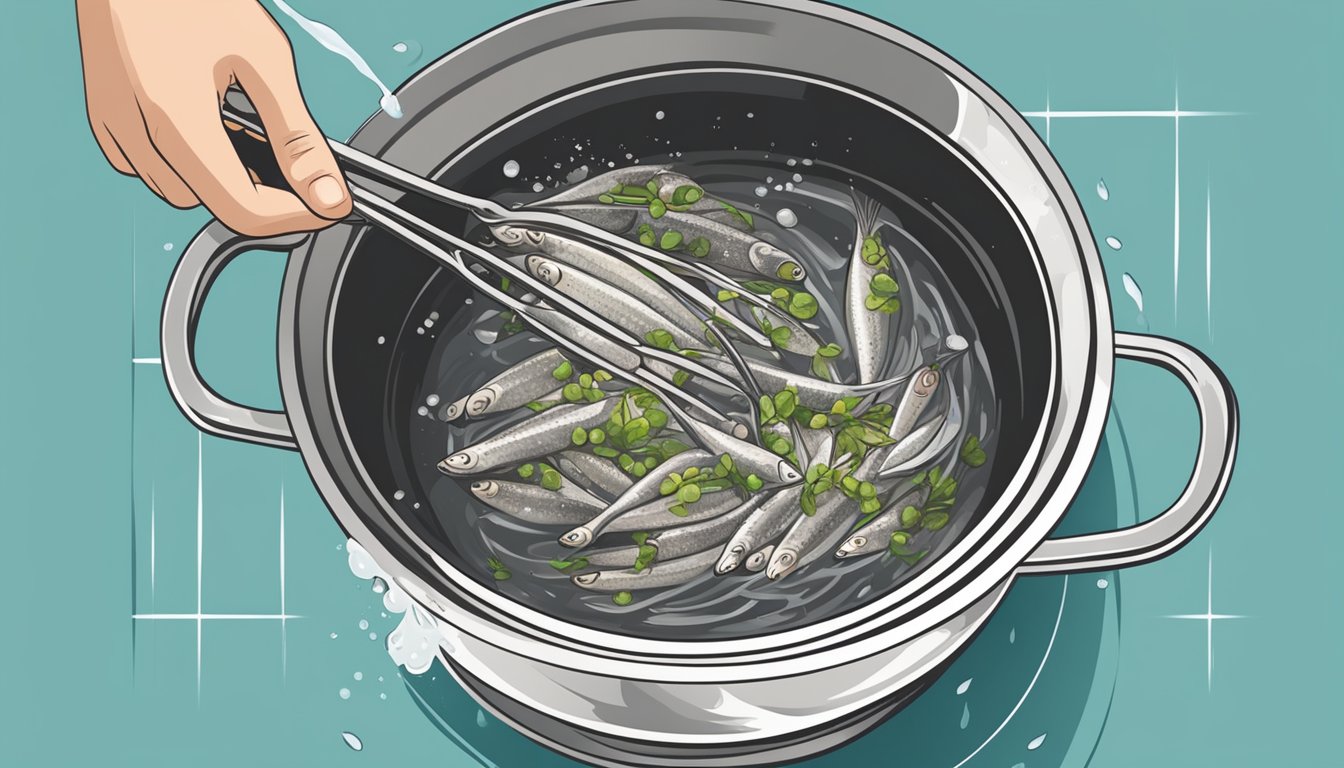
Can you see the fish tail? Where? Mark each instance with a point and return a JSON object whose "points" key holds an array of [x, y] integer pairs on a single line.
{"points": [[866, 212]]}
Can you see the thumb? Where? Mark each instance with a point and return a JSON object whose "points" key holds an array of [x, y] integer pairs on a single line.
{"points": [[300, 148]]}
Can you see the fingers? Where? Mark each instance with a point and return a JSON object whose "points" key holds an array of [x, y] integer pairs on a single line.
{"points": [[138, 152], [300, 148], [194, 141], [115, 157]]}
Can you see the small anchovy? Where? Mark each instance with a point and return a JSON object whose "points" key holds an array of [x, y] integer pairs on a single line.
{"points": [[617, 219], [585, 338], [453, 410], [683, 540], [806, 534], [801, 341], [579, 466], [869, 330], [525, 382], [547, 432], [759, 559], [619, 306], [643, 491], [813, 393], [767, 521], [588, 191], [919, 438], [534, 504], [874, 537], [657, 514], [750, 458], [923, 385], [665, 574]]}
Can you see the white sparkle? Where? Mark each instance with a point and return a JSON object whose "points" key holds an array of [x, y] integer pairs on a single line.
{"points": [[1176, 212], [284, 637], [152, 542], [200, 540], [146, 361], [1133, 113], [1208, 617], [1208, 260]]}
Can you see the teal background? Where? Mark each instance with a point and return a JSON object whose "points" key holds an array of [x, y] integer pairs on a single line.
{"points": [[92, 447]]}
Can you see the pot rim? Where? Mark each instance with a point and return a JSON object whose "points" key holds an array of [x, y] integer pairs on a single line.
{"points": [[986, 555]]}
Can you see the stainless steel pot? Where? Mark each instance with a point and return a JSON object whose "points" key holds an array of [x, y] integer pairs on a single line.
{"points": [[617, 699]]}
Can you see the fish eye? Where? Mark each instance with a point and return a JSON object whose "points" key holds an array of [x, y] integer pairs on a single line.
{"points": [[461, 460], [485, 488], [858, 541], [791, 270]]}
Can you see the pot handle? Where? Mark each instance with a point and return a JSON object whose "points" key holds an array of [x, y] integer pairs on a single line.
{"points": [[204, 258], [1167, 532]]}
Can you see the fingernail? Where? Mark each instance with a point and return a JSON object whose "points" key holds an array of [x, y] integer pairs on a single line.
{"points": [[327, 191]]}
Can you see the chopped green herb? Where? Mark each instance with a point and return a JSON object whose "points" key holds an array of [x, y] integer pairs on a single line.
{"points": [[498, 568], [746, 218], [572, 392], [563, 371], [622, 598], [803, 305], [579, 436], [526, 470], [657, 208], [670, 240], [646, 235], [699, 248], [551, 479], [971, 452], [566, 566]]}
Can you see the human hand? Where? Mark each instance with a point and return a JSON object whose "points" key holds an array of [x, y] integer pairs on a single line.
{"points": [[155, 73]]}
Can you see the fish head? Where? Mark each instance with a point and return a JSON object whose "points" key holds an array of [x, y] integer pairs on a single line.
{"points": [[454, 409], [485, 489], [515, 237], [760, 558], [481, 400], [770, 260], [543, 269], [851, 546], [579, 537], [585, 579], [732, 557], [782, 563], [926, 381], [788, 473], [462, 461]]}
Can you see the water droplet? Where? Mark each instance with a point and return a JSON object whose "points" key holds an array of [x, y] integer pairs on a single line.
{"points": [[359, 676], [1036, 742], [399, 47], [659, 115], [422, 410], [373, 635], [352, 741], [1114, 242], [344, 693], [363, 623], [1102, 583], [1012, 635], [480, 718], [399, 495], [409, 49], [511, 169], [1133, 289], [750, 115], [786, 217], [788, 186], [791, 162], [577, 175], [333, 635], [1019, 765], [167, 246], [955, 342], [537, 187], [807, 162], [965, 686], [382, 339], [420, 331], [797, 177], [379, 586], [383, 696], [1103, 191], [761, 191], [432, 400], [965, 716]]}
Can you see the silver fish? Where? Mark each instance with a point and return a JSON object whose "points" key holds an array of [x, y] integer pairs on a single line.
{"points": [[812, 392], [657, 514], [807, 533], [683, 540], [589, 190], [730, 248], [923, 385], [665, 574], [619, 305], [534, 504], [919, 438], [767, 521], [547, 432], [451, 411], [584, 337], [869, 330], [751, 459], [580, 466], [643, 491], [875, 536], [801, 341], [517, 386], [759, 559]]}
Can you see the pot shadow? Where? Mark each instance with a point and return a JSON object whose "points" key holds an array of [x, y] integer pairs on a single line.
{"points": [[1034, 688]]}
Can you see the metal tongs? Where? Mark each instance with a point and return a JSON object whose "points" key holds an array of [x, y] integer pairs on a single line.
{"points": [[623, 352]]}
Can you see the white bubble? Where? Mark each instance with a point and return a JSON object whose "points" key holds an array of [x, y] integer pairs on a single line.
{"points": [[761, 191], [344, 693], [399, 47], [1102, 583], [383, 696], [420, 331], [511, 169], [352, 740], [373, 635], [750, 115], [807, 162], [1036, 742], [167, 246], [965, 686], [432, 400], [659, 115], [537, 187], [359, 676], [422, 410], [797, 177], [955, 342], [1103, 191], [399, 495], [791, 162], [333, 635], [786, 217], [363, 623], [1114, 243], [382, 339]]}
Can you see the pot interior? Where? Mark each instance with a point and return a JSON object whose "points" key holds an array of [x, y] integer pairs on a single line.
{"points": [[409, 337]]}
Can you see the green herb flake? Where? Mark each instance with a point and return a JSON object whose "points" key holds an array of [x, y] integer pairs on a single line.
{"points": [[526, 470], [671, 240], [622, 598], [657, 208], [563, 371], [971, 452]]}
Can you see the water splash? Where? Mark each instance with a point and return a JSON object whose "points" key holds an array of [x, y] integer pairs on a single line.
{"points": [[415, 641], [1114, 243], [409, 49], [965, 686], [480, 718], [352, 741], [1012, 635], [1036, 742], [332, 41], [1103, 191], [1133, 289], [965, 716]]}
